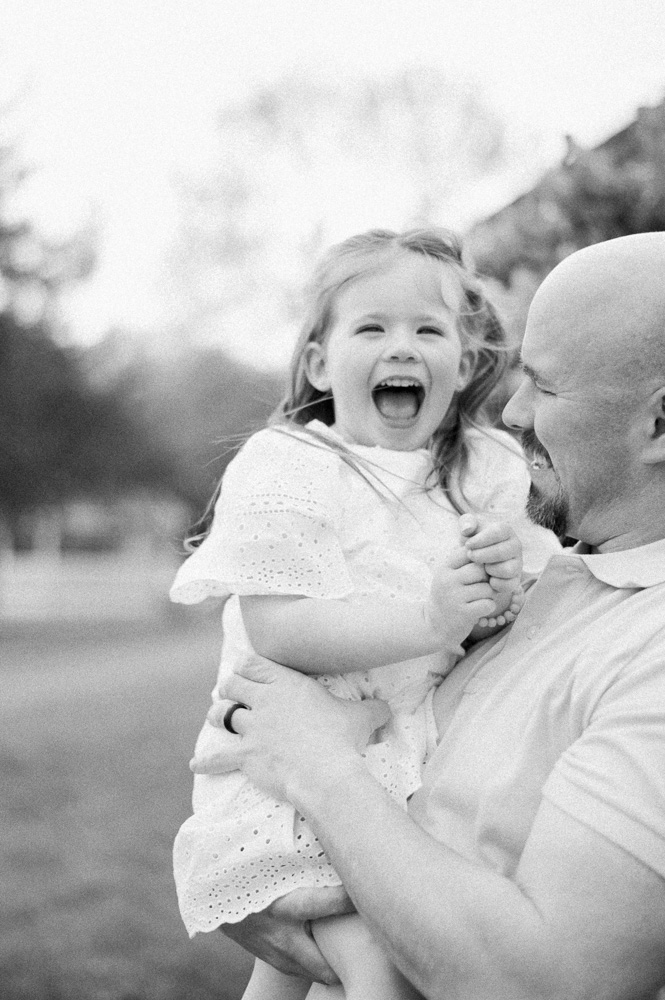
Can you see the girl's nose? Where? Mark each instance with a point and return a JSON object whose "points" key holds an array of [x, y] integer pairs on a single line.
{"points": [[401, 347]]}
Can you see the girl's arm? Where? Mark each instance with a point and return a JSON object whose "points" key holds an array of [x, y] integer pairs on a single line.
{"points": [[337, 636]]}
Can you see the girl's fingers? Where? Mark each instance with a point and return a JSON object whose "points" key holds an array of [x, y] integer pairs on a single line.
{"points": [[483, 608], [500, 586], [479, 592], [491, 534], [497, 552], [457, 558], [473, 573], [506, 570], [468, 524]]}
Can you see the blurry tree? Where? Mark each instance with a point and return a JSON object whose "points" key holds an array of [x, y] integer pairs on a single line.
{"points": [[60, 437], [201, 409], [307, 162], [615, 189]]}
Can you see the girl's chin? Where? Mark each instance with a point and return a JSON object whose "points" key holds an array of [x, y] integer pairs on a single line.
{"points": [[384, 432]]}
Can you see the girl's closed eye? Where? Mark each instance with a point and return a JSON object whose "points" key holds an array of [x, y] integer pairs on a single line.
{"points": [[431, 330], [370, 328]]}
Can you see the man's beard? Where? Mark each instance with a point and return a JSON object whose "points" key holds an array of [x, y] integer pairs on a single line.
{"points": [[548, 512]]}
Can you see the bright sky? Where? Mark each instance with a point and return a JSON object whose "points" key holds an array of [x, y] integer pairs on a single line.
{"points": [[118, 95]]}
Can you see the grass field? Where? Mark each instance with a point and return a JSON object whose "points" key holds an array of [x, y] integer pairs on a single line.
{"points": [[96, 732]]}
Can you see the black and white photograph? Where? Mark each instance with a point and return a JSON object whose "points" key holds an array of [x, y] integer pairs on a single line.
{"points": [[332, 500]]}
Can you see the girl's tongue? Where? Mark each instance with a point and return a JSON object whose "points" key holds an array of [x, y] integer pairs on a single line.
{"points": [[397, 403]]}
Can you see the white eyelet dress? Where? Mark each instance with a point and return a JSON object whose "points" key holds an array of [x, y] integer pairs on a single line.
{"points": [[294, 518]]}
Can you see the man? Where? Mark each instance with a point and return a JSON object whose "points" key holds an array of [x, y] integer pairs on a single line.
{"points": [[532, 861]]}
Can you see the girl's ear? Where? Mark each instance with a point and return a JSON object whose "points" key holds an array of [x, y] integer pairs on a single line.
{"points": [[653, 451], [315, 366], [465, 371]]}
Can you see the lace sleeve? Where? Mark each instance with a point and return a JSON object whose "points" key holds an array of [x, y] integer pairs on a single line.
{"points": [[274, 529]]}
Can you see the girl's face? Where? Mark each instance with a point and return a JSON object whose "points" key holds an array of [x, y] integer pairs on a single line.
{"points": [[393, 358]]}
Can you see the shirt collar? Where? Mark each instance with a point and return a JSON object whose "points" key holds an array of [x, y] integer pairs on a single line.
{"points": [[643, 566]]}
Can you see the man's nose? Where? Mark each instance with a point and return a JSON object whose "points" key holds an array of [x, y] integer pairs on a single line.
{"points": [[517, 411]]}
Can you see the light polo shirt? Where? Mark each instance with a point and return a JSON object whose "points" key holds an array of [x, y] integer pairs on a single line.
{"points": [[567, 704]]}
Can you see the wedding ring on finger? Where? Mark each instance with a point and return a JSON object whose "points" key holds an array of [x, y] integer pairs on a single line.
{"points": [[228, 717]]}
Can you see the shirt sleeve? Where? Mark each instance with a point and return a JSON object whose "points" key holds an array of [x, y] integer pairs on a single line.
{"points": [[500, 485], [612, 778], [273, 530]]}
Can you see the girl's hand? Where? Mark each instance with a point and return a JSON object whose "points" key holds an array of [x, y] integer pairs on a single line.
{"points": [[293, 731], [460, 595], [497, 548]]}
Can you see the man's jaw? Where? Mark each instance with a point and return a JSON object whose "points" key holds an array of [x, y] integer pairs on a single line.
{"points": [[548, 512], [551, 512]]}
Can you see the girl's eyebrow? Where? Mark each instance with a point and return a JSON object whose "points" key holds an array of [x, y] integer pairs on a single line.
{"points": [[382, 317]]}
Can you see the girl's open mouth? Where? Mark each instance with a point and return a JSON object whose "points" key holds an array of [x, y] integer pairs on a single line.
{"points": [[398, 398]]}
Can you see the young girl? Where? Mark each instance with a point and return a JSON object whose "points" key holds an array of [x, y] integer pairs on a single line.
{"points": [[333, 545]]}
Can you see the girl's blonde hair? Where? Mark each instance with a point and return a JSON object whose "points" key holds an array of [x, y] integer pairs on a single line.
{"points": [[480, 330], [481, 333]]}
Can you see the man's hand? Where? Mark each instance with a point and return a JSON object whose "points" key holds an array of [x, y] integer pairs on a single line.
{"points": [[280, 935], [293, 730]]}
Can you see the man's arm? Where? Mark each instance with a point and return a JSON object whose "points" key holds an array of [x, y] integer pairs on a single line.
{"points": [[581, 919], [281, 936]]}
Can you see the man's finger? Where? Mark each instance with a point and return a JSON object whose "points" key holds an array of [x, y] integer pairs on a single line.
{"points": [[241, 689], [372, 713], [259, 670], [220, 762], [292, 950], [239, 720], [217, 711], [313, 904]]}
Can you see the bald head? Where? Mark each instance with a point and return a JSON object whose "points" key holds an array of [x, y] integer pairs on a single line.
{"points": [[591, 406], [610, 302]]}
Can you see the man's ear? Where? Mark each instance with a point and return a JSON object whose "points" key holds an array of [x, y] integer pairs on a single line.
{"points": [[316, 367], [654, 450]]}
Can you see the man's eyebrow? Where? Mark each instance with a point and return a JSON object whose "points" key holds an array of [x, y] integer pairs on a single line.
{"points": [[530, 372]]}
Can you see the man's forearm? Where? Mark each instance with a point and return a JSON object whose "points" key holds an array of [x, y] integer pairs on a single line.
{"points": [[454, 929]]}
